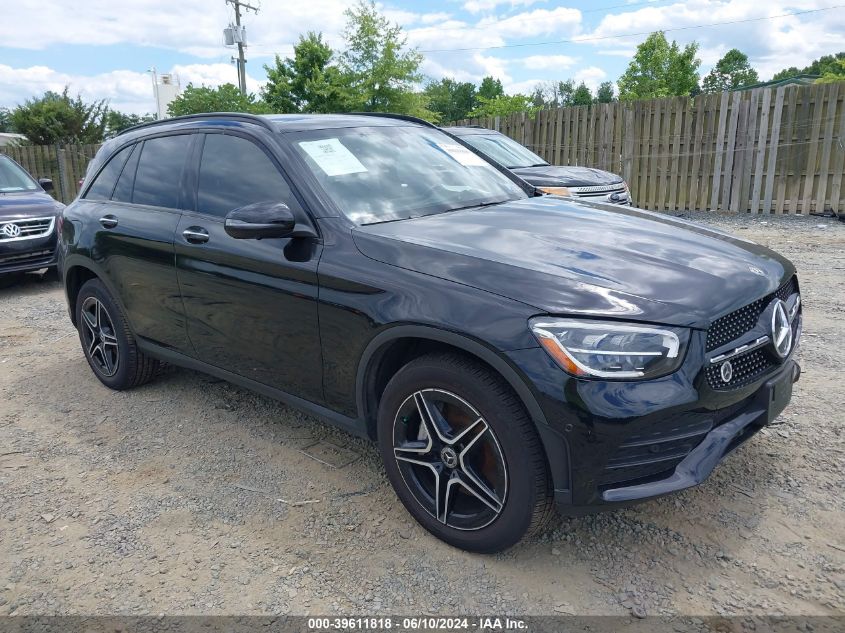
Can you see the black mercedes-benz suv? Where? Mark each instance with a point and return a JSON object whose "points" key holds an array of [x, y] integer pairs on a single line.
{"points": [[505, 350], [27, 220]]}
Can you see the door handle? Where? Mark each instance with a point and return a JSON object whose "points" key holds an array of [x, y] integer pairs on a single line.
{"points": [[195, 235], [108, 221]]}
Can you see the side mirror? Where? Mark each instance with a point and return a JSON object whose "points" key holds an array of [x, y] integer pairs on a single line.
{"points": [[46, 184], [260, 220]]}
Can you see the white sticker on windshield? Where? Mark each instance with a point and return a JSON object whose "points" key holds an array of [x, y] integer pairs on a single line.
{"points": [[464, 156], [333, 157]]}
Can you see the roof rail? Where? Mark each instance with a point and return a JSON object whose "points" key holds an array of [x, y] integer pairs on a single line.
{"points": [[401, 117], [243, 116]]}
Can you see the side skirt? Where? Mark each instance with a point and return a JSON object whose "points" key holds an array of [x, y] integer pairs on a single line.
{"points": [[354, 426]]}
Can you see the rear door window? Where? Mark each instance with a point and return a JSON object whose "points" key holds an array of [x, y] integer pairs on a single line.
{"points": [[235, 172], [158, 179], [123, 190], [103, 185]]}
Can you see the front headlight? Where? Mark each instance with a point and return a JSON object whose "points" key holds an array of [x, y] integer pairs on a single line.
{"points": [[557, 191], [606, 349]]}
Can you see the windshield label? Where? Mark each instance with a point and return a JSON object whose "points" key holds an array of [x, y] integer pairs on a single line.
{"points": [[332, 157], [464, 156]]}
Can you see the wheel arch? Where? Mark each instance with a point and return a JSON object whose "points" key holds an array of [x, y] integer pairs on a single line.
{"points": [[75, 273], [398, 345]]}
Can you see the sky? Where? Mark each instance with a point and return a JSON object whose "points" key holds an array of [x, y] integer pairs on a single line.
{"points": [[103, 49]]}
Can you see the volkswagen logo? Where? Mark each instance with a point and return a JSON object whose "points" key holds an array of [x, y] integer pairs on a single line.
{"points": [[11, 230], [781, 329]]}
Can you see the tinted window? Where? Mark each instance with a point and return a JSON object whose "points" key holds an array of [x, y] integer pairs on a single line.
{"points": [[123, 191], [159, 172], [13, 178], [504, 150], [103, 185], [235, 172]]}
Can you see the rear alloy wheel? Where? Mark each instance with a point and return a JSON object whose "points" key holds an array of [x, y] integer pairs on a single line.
{"points": [[449, 432], [107, 341]]}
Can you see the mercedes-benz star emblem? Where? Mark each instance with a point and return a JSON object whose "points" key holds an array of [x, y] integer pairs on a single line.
{"points": [[11, 230], [726, 371], [449, 457], [781, 330]]}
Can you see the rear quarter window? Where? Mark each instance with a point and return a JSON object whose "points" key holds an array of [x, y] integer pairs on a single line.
{"points": [[104, 183]]}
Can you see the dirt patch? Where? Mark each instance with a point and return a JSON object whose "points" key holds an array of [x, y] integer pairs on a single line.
{"points": [[190, 495]]}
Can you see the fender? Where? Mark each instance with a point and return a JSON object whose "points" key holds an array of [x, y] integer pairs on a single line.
{"points": [[80, 261], [555, 445]]}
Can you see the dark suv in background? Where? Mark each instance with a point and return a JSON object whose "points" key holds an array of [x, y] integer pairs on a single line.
{"points": [[589, 183], [28, 216], [505, 350]]}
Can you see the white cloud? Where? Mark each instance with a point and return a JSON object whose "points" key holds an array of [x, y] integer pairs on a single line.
{"points": [[592, 76], [771, 43], [477, 6], [548, 62], [126, 90], [561, 20]]}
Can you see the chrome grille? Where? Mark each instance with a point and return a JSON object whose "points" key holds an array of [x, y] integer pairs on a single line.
{"points": [[598, 191], [732, 326], [30, 228]]}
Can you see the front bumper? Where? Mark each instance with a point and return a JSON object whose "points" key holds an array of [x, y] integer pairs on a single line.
{"points": [[611, 444], [28, 254]]}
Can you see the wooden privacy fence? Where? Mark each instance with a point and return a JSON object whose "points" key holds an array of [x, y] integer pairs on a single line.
{"points": [[763, 150], [64, 165]]}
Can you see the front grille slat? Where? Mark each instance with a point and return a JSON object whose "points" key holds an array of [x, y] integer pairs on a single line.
{"points": [[29, 228], [746, 369]]}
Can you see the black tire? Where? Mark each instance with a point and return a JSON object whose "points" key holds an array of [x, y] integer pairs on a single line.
{"points": [[527, 490], [131, 367]]}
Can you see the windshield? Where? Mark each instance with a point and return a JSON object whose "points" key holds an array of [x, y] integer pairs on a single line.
{"points": [[504, 150], [379, 174], [13, 178]]}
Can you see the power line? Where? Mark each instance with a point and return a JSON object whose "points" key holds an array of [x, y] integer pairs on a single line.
{"points": [[624, 35]]}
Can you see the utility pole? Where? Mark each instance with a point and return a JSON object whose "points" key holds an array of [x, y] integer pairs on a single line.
{"points": [[238, 36]]}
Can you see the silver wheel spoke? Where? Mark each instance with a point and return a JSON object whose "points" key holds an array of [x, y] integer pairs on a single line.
{"points": [[476, 488], [443, 506], [429, 416], [470, 435], [109, 339], [107, 363]]}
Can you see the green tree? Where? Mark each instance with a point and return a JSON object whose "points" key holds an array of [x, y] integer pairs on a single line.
{"points": [[824, 65], [308, 82], [660, 69], [58, 118], [503, 105], [605, 92], [731, 72], [582, 95], [117, 121], [554, 94], [225, 98], [5, 120], [491, 88], [833, 74], [382, 73], [451, 100]]}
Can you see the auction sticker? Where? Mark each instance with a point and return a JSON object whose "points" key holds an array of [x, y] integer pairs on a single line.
{"points": [[333, 157]]}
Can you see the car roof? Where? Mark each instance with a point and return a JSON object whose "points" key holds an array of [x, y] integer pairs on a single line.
{"points": [[283, 123], [473, 130]]}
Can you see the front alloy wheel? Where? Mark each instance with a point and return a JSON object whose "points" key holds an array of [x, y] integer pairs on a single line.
{"points": [[450, 459], [462, 454]]}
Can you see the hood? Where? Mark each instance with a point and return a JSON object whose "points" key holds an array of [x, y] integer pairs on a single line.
{"points": [[570, 257], [26, 204], [563, 176]]}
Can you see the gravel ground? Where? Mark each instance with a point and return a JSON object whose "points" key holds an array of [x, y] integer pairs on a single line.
{"points": [[185, 496]]}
